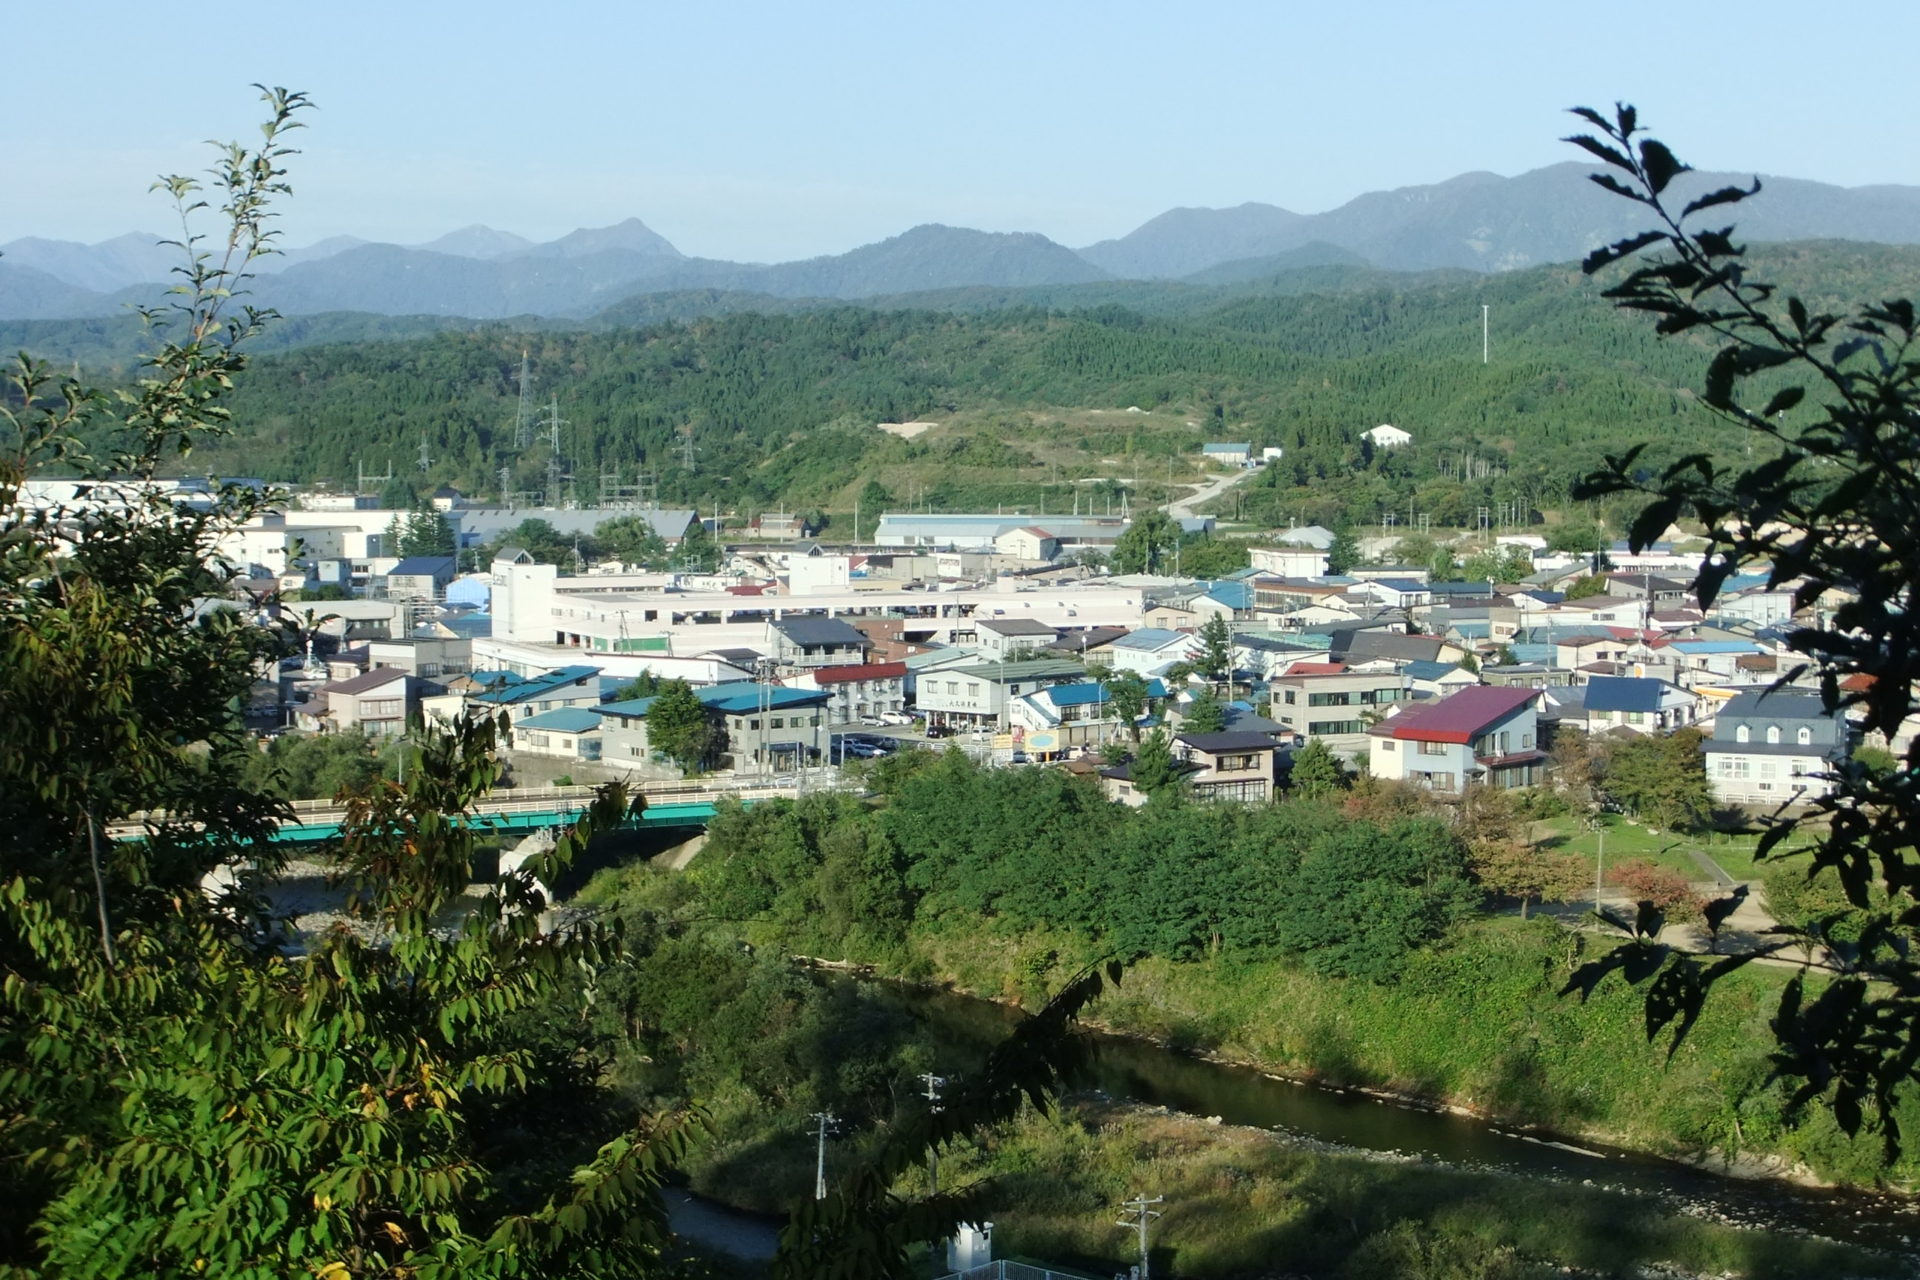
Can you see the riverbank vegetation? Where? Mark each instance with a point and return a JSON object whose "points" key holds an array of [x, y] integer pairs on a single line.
{"points": [[1340, 939]]}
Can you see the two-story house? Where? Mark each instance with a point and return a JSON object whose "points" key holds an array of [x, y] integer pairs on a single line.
{"points": [[1002, 638], [1638, 704], [1771, 746], [1232, 766], [798, 644], [1328, 701], [854, 692], [1483, 734], [763, 725]]}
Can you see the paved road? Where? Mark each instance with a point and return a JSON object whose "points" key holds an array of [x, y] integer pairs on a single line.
{"points": [[1183, 509]]}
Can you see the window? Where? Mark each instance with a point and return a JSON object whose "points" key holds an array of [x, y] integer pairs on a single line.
{"points": [[1289, 697], [1636, 717], [383, 708], [1773, 733], [1433, 748], [1321, 728], [779, 722], [1388, 744], [754, 723], [1328, 699], [1742, 734], [1805, 736], [1526, 742]]}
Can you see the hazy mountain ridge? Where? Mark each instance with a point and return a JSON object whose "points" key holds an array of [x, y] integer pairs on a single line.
{"points": [[1477, 221]]}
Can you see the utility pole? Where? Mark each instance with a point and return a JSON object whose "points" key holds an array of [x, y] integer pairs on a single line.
{"points": [[1484, 349], [426, 459], [933, 1083], [1141, 1217], [1600, 859], [823, 1122]]}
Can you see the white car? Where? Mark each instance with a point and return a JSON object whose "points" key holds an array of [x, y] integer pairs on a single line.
{"points": [[873, 720], [895, 718]]}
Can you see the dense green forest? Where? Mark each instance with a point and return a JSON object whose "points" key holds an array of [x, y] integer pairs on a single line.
{"points": [[1033, 395]]}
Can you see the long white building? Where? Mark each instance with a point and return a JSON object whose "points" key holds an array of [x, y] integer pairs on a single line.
{"points": [[622, 614]]}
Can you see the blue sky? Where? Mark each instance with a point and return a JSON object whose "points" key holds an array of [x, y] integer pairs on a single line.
{"points": [[774, 131]]}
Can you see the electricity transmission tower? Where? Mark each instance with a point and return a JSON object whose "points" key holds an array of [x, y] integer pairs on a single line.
{"points": [[823, 1123], [556, 469], [523, 418]]}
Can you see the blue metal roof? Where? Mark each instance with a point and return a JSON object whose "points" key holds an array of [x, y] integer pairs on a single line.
{"points": [[1149, 638], [1429, 670], [1716, 646], [1624, 693], [533, 688], [564, 720], [736, 697]]}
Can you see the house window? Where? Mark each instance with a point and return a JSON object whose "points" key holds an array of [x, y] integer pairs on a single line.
{"points": [[1289, 697], [1388, 744], [1805, 735], [1433, 749], [1636, 717], [382, 708], [1526, 742], [1773, 733], [1742, 734], [778, 723]]}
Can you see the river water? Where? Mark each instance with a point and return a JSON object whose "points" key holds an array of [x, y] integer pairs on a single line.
{"points": [[1139, 1071]]}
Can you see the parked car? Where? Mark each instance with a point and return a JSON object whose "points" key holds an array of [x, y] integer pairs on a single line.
{"points": [[876, 721], [939, 731], [1020, 757]]}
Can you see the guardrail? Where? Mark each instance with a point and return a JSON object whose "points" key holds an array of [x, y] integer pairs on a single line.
{"points": [[518, 800]]}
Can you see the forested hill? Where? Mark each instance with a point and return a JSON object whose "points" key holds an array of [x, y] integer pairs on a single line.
{"points": [[782, 407]]}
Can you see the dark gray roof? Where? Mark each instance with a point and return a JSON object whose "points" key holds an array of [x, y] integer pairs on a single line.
{"points": [[818, 631], [1016, 627], [1215, 743]]}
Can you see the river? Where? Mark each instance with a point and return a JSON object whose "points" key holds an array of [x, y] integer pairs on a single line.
{"points": [[1140, 1071]]}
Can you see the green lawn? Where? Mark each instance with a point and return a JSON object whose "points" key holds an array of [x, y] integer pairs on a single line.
{"points": [[1626, 838]]}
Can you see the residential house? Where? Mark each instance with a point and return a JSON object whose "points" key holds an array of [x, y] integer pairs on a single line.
{"points": [[1638, 704], [1151, 648], [855, 692], [568, 733], [432, 657], [377, 703], [1772, 746], [1387, 436], [1232, 766], [1525, 675], [1437, 679], [800, 643], [420, 578], [1483, 734], [521, 696], [1329, 702], [1003, 638]]}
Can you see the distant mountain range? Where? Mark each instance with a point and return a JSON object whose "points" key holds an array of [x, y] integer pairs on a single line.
{"points": [[1478, 221]]}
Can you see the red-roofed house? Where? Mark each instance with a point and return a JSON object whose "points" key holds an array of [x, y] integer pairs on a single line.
{"points": [[854, 692], [1485, 734]]}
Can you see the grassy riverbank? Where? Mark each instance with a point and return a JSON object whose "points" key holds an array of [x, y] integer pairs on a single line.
{"points": [[1242, 1202], [1479, 1023]]}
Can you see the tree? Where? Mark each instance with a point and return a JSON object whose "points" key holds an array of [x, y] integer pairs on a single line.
{"points": [[1204, 714], [1216, 648], [1503, 564], [631, 540], [1127, 691], [1668, 892], [1662, 779], [219, 1106], [1829, 500], [1362, 898], [1155, 772], [644, 685], [1344, 551], [1584, 588], [546, 544], [1147, 544], [1577, 539], [1316, 772], [427, 533], [677, 726], [1521, 871], [699, 551]]}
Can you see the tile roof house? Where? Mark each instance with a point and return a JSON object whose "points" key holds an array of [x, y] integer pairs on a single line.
{"points": [[858, 690], [377, 703], [1771, 746], [1483, 734]]}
